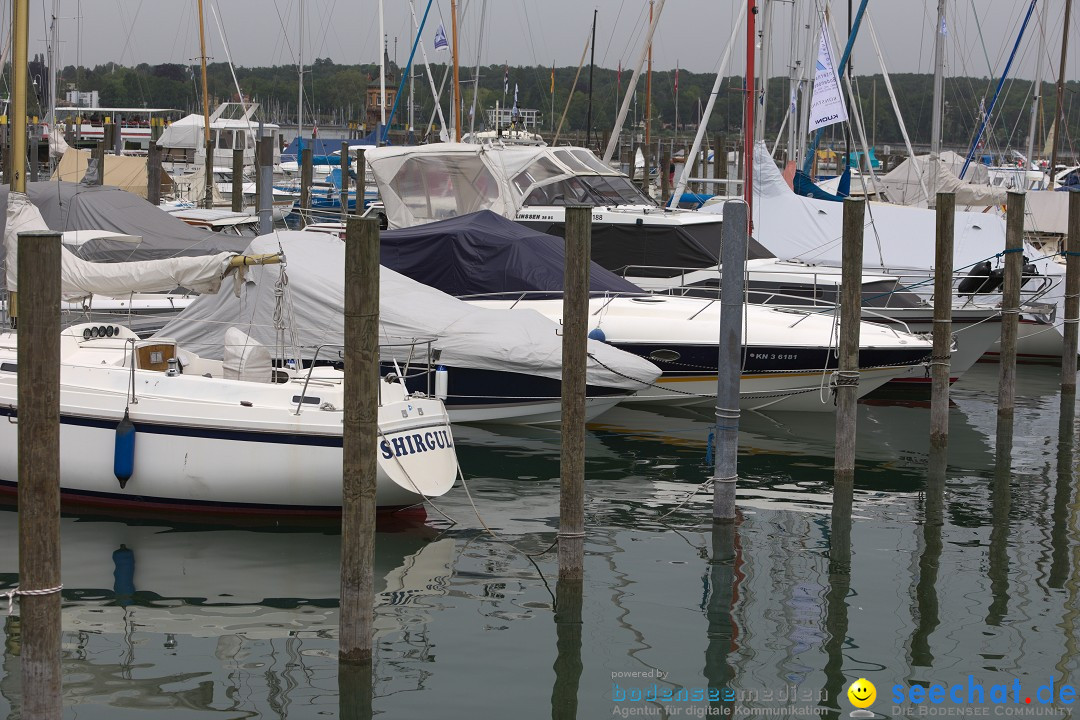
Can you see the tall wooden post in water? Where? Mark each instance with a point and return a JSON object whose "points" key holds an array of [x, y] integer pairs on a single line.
{"points": [[729, 362], [265, 185], [361, 180], [39, 472], [208, 169], [1072, 297], [1010, 302], [153, 174], [940, 360], [305, 179], [360, 440], [665, 177], [237, 179], [847, 375], [574, 358], [345, 184]]}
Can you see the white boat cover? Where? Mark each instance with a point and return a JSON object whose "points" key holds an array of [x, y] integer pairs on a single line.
{"points": [[80, 278], [1046, 211], [895, 237], [903, 187], [466, 336]]}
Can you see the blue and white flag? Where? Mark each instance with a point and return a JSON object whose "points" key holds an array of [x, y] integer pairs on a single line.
{"points": [[440, 39], [826, 102]]}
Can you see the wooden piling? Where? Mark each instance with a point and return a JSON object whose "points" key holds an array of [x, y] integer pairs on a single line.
{"points": [[153, 174], [237, 179], [345, 167], [208, 168], [646, 169], [118, 137], [734, 234], [266, 185], [1072, 297], [305, 179], [360, 440], [847, 375], [665, 177], [39, 472], [361, 180], [35, 153], [1010, 302], [108, 137], [574, 348], [940, 359], [98, 155], [719, 162]]}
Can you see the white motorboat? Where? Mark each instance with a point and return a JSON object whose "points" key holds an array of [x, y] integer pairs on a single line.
{"points": [[789, 355], [533, 185]]}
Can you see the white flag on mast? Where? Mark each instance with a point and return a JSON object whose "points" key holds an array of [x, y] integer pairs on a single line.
{"points": [[827, 102]]}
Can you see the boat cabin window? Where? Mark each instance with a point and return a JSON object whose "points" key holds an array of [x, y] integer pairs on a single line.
{"points": [[591, 160], [567, 157], [541, 170], [588, 189], [436, 188]]}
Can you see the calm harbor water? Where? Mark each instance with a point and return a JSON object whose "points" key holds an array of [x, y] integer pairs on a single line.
{"points": [[941, 575]]}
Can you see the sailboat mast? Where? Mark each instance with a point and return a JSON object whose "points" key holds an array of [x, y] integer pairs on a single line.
{"points": [[648, 93], [748, 120], [54, 42], [935, 118], [592, 65], [20, 27], [1059, 116], [209, 156], [1036, 95], [382, 70], [300, 86], [455, 108]]}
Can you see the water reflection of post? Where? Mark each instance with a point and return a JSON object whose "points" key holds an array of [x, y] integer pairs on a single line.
{"points": [[1059, 530], [718, 673], [926, 599], [564, 701], [354, 691], [836, 618], [1000, 505]]}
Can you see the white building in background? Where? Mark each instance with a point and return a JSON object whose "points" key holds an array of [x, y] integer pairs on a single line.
{"points": [[83, 99]]}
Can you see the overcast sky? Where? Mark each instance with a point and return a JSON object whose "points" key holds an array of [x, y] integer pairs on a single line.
{"points": [[692, 33]]}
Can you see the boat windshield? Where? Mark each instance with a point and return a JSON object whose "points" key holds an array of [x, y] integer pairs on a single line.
{"points": [[539, 171], [591, 160], [594, 190]]}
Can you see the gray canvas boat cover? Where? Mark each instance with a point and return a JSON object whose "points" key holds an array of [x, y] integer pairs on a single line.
{"points": [[309, 312], [74, 206]]}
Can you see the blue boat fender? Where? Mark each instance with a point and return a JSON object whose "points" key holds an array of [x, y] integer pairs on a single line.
{"points": [[124, 451], [597, 334]]}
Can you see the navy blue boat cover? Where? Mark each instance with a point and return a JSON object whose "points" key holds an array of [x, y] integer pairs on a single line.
{"points": [[484, 253]]}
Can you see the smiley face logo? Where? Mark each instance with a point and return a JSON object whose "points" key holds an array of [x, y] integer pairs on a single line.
{"points": [[862, 693]]}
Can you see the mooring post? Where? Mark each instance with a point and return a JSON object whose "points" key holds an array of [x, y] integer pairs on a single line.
{"points": [[305, 179], [108, 137], [734, 234], [361, 180], [208, 178], [1072, 298], [665, 178], [847, 373], [345, 184], [118, 137], [98, 156], [153, 174], [719, 160], [574, 357], [237, 179], [265, 187], [646, 169], [1010, 302], [39, 472], [360, 439], [35, 152], [940, 359]]}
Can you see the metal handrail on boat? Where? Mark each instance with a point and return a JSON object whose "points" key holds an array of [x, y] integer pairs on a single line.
{"points": [[430, 354]]}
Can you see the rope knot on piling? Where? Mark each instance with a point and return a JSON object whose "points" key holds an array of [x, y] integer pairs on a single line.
{"points": [[14, 592]]}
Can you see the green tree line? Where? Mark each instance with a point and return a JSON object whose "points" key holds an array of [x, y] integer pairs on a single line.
{"points": [[335, 94]]}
